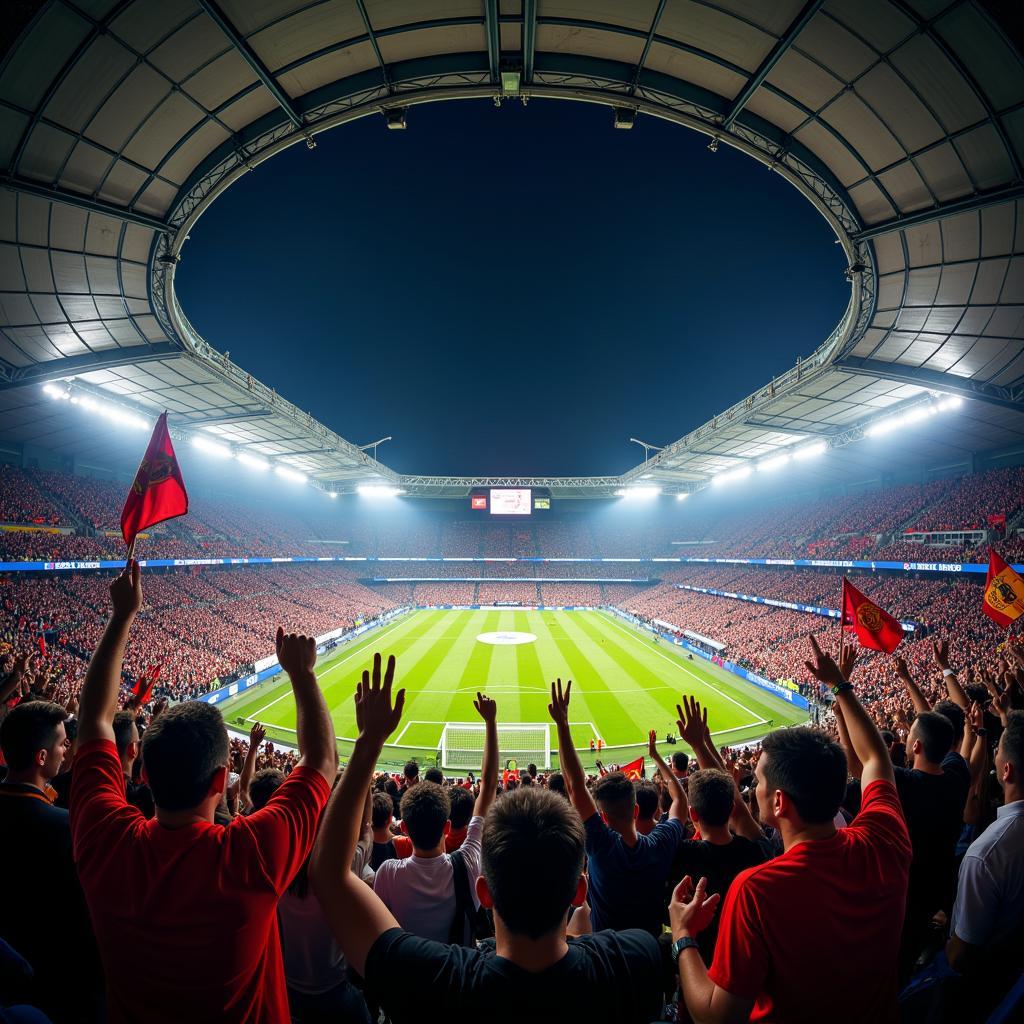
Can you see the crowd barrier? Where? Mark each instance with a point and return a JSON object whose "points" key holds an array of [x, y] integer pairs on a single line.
{"points": [[790, 696], [799, 563], [832, 613]]}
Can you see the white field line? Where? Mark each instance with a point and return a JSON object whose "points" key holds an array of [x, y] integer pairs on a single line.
{"points": [[255, 717], [678, 664]]}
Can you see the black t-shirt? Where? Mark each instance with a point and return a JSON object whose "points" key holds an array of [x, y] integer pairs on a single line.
{"points": [[719, 865], [609, 976], [934, 808]]}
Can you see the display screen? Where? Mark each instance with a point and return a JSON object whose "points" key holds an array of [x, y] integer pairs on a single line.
{"points": [[478, 501], [510, 501], [542, 503]]}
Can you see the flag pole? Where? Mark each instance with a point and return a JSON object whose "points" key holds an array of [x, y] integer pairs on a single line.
{"points": [[842, 630], [131, 552]]}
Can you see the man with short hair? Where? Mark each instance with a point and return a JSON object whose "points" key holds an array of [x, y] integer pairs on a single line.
{"points": [[986, 940], [534, 970], [434, 775], [126, 739], [47, 923], [648, 800], [200, 899], [386, 845], [835, 897], [680, 764], [627, 871], [426, 891], [461, 812], [411, 774]]}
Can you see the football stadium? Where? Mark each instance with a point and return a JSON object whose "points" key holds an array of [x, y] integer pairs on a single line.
{"points": [[509, 713]]}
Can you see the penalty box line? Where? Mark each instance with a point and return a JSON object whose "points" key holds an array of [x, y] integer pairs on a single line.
{"points": [[678, 664], [398, 739], [255, 716]]}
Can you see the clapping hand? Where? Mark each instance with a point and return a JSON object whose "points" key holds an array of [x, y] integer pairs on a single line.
{"points": [[690, 909], [376, 714]]}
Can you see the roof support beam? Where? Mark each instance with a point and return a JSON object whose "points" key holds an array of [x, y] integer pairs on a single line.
{"points": [[529, 38], [373, 42], [947, 383], [978, 201], [61, 195], [70, 366], [493, 38], [237, 417], [777, 52], [647, 45], [258, 68]]}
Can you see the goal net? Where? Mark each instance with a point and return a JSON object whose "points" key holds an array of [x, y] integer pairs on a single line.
{"points": [[462, 745]]}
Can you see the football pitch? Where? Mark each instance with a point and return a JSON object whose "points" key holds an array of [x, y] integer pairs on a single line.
{"points": [[624, 683]]}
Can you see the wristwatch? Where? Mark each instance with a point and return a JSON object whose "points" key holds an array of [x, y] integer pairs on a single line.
{"points": [[686, 942], [841, 688]]}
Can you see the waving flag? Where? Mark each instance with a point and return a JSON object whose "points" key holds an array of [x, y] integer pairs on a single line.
{"points": [[1004, 592], [158, 491], [634, 770], [874, 627], [143, 686]]}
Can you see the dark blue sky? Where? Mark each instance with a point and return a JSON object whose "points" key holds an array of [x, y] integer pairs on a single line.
{"points": [[514, 290]]}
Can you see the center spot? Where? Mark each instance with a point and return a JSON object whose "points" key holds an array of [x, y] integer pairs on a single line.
{"points": [[505, 638]]}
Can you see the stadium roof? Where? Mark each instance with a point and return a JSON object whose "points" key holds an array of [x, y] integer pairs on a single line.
{"points": [[901, 120]]}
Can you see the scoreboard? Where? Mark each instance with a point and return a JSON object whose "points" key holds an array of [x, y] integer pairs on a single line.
{"points": [[509, 501]]}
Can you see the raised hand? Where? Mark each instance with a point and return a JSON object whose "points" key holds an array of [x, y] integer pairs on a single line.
{"points": [[976, 716], [824, 668], [691, 910], [126, 592], [1001, 704], [486, 708], [558, 709], [295, 652], [376, 714], [652, 743], [692, 722], [940, 652], [847, 659], [256, 735], [901, 669]]}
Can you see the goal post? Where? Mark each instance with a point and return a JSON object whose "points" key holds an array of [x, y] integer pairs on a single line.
{"points": [[462, 744]]}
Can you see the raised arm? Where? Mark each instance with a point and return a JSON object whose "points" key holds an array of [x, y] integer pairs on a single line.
{"points": [[487, 709], [917, 698], [940, 651], [256, 735], [12, 683], [855, 768], [865, 739], [693, 727], [313, 726], [98, 701], [355, 913], [976, 756], [569, 760], [678, 808]]}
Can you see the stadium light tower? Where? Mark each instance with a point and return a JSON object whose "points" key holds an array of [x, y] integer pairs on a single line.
{"points": [[373, 445], [648, 448]]}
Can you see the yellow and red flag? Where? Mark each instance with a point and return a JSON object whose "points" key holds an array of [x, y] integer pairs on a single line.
{"points": [[1004, 592], [158, 491], [634, 770], [875, 627]]}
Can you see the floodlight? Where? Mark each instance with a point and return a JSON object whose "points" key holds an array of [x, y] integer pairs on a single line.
{"points": [[221, 451], [394, 117], [811, 451], [775, 462], [950, 402], [510, 83], [730, 475], [682, 495], [332, 494], [253, 461], [638, 493], [291, 474], [378, 491], [625, 117]]}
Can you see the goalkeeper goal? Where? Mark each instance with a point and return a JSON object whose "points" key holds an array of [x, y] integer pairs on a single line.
{"points": [[462, 744]]}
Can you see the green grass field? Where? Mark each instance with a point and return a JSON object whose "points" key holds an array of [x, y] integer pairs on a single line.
{"points": [[624, 684]]}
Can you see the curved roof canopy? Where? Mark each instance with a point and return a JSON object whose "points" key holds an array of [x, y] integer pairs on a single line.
{"points": [[901, 120]]}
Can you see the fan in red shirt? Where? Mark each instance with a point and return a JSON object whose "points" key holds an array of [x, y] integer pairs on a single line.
{"points": [[185, 910], [813, 934]]}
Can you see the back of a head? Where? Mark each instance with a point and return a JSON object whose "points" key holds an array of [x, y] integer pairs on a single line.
{"points": [[425, 810], [532, 826], [711, 794], [461, 802], [809, 767], [935, 732], [647, 799], [125, 731], [411, 771], [182, 751], [264, 785], [556, 783], [615, 795], [955, 714], [1011, 743], [680, 762], [28, 728], [434, 775], [381, 810]]}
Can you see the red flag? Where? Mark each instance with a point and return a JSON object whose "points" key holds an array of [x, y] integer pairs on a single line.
{"points": [[143, 686], [874, 627], [1004, 592], [42, 645], [158, 492], [634, 770]]}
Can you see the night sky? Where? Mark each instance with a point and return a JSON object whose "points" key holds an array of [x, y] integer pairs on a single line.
{"points": [[514, 290]]}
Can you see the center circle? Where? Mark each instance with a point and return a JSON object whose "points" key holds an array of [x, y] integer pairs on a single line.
{"points": [[507, 638]]}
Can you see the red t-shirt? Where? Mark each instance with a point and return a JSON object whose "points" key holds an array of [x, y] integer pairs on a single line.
{"points": [[455, 838], [814, 934], [186, 918]]}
